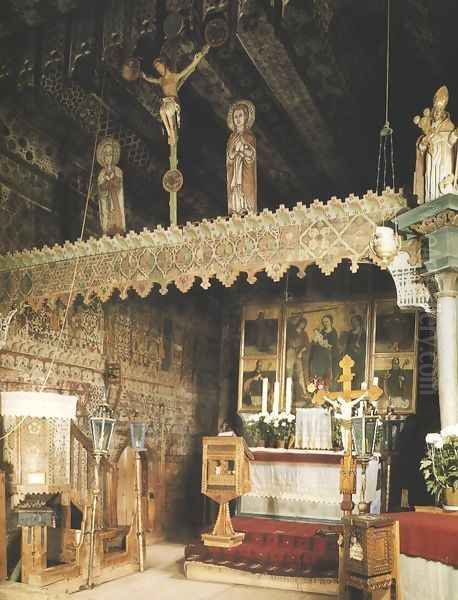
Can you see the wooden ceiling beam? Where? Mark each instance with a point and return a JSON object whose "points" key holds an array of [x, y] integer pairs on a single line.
{"points": [[270, 56]]}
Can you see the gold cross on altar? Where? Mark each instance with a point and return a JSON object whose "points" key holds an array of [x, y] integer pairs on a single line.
{"points": [[373, 392], [348, 466]]}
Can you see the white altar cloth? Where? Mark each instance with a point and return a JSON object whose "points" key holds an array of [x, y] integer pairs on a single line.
{"points": [[425, 579], [313, 429], [305, 488]]}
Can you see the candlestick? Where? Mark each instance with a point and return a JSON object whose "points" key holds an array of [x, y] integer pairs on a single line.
{"points": [[276, 405], [289, 394], [364, 386], [265, 389], [375, 381]]}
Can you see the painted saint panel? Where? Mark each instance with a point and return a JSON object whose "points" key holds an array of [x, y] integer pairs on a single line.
{"points": [[259, 355], [397, 377]]}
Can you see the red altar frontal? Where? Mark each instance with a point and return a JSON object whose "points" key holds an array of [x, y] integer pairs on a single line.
{"points": [[300, 484]]}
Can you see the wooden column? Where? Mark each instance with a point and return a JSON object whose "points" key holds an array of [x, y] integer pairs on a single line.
{"points": [[2, 527]]}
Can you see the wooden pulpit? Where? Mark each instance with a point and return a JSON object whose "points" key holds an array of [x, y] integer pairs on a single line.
{"points": [[225, 476]]}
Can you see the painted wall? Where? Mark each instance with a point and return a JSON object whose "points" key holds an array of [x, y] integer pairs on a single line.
{"points": [[168, 350]]}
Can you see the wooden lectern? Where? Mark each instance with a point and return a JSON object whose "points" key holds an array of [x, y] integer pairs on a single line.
{"points": [[225, 476]]}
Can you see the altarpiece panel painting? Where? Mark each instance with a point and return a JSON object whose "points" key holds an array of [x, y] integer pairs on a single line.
{"points": [[317, 336], [397, 378], [305, 342], [395, 330], [395, 356], [259, 351]]}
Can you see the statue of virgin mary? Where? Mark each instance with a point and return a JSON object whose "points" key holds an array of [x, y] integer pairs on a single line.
{"points": [[110, 188], [241, 159]]}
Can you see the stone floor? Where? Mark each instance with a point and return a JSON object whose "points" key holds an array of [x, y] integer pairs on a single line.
{"points": [[164, 580]]}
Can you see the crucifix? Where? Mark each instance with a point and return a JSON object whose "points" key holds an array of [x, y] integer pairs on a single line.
{"points": [[344, 401], [170, 82]]}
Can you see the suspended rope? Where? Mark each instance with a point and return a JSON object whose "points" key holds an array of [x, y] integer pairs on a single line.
{"points": [[386, 148], [58, 345]]}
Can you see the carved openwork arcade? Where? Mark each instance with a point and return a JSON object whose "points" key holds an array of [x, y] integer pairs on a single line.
{"points": [[321, 234]]}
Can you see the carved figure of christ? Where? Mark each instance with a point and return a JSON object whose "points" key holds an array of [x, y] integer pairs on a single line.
{"points": [[344, 401], [170, 84]]}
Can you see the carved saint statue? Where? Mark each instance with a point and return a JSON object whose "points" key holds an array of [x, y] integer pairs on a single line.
{"points": [[436, 156], [170, 83], [110, 188], [241, 159]]}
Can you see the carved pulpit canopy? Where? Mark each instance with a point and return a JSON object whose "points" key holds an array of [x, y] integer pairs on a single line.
{"points": [[324, 234], [38, 426], [38, 404]]}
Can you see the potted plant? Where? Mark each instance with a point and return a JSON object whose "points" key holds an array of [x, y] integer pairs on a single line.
{"points": [[284, 429], [440, 466], [259, 427], [272, 430]]}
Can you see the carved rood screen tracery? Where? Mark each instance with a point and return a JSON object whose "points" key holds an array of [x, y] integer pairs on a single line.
{"points": [[324, 234]]}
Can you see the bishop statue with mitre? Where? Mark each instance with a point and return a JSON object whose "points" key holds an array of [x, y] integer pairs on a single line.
{"points": [[436, 162]]}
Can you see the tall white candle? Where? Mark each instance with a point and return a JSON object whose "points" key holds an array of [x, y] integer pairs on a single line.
{"points": [[375, 381], [364, 386], [276, 405], [289, 394], [265, 391]]}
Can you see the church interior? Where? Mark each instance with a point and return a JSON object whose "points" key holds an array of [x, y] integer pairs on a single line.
{"points": [[228, 299]]}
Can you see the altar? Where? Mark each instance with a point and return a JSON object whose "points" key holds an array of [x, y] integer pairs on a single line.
{"points": [[301, 484]]}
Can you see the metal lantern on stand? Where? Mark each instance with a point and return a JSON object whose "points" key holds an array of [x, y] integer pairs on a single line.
{"points": [[138, 435], [392, 426], [138, 428], [364, 434], [102, 426]]}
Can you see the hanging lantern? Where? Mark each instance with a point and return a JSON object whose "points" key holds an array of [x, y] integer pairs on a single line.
{"points": [[385, 245], [364, 434], [102, 427], [392, 428], [138, 435]]}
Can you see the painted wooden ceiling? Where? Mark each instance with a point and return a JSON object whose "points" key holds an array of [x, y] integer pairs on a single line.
{"points": [[315, 70]]}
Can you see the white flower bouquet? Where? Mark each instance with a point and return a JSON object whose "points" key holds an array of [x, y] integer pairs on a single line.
{"points": [[272, 428], [440, 465]]}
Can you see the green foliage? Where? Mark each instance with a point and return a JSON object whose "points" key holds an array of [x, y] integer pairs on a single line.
{"points": [[440, 465], [270, 428]]}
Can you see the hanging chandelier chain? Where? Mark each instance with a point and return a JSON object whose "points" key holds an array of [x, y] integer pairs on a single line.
{"points": [[387, 74], [392, 158], [386, 145], [379, 164], [384, 161]]}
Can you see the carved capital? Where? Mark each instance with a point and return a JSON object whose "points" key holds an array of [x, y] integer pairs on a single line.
{"points": [[447, 283], [448, 218]]}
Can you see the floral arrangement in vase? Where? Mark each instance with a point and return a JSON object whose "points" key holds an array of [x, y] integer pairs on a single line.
{"points": [[440, 466], [273, 429], [317, 383]]}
